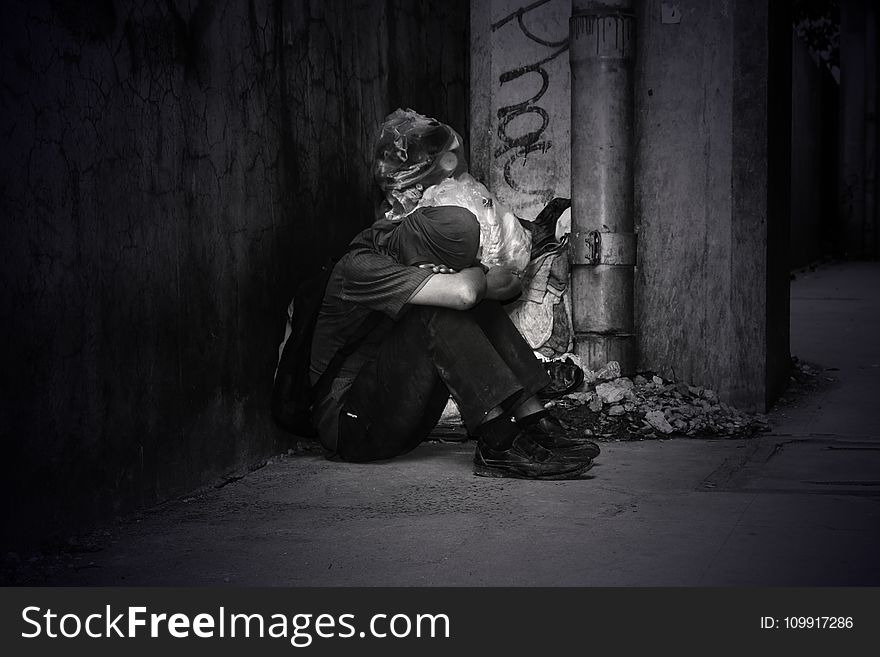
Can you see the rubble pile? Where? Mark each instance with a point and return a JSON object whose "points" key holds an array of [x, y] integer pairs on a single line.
{"points": [[615, 407], [609, 406]]}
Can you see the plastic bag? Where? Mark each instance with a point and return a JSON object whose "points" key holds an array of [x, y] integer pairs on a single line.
{"points": [[412, 153], [420, 161], [506, 243]]}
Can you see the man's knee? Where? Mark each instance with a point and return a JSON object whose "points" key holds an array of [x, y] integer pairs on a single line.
{"points": [[432, 315]]}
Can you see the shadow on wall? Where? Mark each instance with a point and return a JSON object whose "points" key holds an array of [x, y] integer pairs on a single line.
{"points": [[814, 230], [166, 178]]}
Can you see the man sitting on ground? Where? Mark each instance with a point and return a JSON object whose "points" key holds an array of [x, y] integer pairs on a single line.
{"points": [[436, 328]]}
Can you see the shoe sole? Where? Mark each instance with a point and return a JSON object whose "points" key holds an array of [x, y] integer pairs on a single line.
{"points": [[484, 470], [575, 452]]}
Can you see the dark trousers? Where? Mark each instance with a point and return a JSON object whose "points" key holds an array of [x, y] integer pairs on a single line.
{"points": [[478, 356]]}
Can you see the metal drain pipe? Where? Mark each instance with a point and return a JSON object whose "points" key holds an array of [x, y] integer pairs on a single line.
{"points": [[603, 248]]}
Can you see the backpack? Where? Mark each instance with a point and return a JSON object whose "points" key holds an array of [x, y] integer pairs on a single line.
{"points": [[293, 393]]}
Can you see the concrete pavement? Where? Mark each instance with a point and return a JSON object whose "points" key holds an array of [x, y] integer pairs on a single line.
{"points": [[797, 506]]}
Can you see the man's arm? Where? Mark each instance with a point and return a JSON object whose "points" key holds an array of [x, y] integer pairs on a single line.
{"points": [[459, 291]]}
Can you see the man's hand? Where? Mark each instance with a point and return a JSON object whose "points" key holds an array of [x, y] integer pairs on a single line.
{"points": [[502, 284], [438, 269]]}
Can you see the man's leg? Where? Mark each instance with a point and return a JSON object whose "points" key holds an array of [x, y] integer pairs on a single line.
{"points": [[529, 412], [398, 397], [509, 343]]}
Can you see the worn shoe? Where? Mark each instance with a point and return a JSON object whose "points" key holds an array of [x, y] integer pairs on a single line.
{"points": [[525, 459], [550, 434]]}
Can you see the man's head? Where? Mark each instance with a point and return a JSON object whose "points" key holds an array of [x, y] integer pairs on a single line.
{"points": [[446, 234], [414, 152]]}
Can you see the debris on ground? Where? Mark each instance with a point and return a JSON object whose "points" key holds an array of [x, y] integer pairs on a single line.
{"points": [[804, 381], [305, 446], [805, 378], [608, 406], [614, 407]]}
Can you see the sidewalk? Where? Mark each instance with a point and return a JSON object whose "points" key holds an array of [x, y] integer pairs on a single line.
{"points": [[798, 506]]}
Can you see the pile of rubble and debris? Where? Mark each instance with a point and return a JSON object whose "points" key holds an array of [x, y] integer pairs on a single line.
{"points": [[613, 407], [608, 406]]}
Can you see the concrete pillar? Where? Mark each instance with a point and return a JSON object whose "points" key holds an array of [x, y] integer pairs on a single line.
{"points": [[602, 39], [708, 139]]}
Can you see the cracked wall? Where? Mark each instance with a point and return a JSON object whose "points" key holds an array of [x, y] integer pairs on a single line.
{"points": [[169, 171]]}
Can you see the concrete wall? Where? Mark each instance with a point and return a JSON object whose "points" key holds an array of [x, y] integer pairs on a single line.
{"points": [[169, 170], [704, 300], [520, 101], [859, 137]]}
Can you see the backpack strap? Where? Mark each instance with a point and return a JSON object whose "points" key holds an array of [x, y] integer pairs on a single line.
{"points": [[370, 322]]}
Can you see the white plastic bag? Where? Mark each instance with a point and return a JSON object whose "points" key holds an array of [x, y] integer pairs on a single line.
{"points": [[506, 243]]}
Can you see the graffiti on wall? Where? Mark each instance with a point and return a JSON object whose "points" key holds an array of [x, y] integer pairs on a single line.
{"points": [[528, 114]]}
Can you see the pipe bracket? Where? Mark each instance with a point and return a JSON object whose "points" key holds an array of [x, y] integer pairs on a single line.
{"points": [[601, 248]]}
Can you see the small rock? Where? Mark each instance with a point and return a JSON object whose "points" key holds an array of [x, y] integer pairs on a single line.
{"points": [[658, 420], [596, 405], [657, 380], [610, 393], [610, 371], [580, 397], [617, 409]]}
